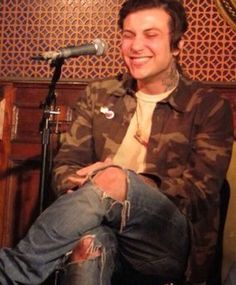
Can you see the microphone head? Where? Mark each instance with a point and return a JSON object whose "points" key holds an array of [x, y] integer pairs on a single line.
{"points": [[100, 45]]}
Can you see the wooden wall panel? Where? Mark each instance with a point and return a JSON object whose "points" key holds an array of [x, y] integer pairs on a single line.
{"points": [[21, 152], [21, 149]]}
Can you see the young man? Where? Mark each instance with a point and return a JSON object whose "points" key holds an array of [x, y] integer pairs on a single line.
{"points": [[140, 172]]}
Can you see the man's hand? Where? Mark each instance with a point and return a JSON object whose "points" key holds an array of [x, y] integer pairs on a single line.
{"points": [[81, 176]]}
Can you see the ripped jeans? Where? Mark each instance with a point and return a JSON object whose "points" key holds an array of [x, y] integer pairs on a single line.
{"points": [[151, 234]]}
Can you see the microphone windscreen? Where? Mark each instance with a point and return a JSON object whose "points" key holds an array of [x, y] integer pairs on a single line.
{"points": [[101, 46]]}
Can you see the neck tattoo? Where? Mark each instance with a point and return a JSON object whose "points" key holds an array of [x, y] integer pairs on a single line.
{"points": [[171, 79]]}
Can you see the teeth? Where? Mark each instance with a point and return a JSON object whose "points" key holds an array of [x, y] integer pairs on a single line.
{"points": [[140, 59]]}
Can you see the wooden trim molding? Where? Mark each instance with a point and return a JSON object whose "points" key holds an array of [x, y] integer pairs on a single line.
{"points": [[2, 112]]}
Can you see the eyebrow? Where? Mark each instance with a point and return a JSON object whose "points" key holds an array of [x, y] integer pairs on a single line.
{"points": [[152, 29], [147, 30]]}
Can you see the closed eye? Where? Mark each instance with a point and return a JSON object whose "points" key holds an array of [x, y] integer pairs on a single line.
{"points": [[127, 35]]}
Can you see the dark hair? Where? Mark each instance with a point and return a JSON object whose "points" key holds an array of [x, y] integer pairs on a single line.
{"points": [[174, 8]]}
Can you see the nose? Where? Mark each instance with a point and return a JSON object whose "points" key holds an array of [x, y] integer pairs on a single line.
{"points": [[137, 44]]}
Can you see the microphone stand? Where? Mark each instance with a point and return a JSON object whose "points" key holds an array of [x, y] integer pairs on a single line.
{"points": [[49, 109]]}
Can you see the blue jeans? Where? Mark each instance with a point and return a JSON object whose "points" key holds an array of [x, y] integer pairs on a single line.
{"points": [[152, 234], [97, 270]]}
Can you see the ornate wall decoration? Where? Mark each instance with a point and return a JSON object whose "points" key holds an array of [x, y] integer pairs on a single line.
{"points": [[28, 28], [228, 10]]}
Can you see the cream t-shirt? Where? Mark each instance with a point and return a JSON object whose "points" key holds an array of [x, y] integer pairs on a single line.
{"points": [[132, 152]]}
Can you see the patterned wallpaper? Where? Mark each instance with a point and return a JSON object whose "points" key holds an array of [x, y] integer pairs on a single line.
{"points": [[29, 27]]}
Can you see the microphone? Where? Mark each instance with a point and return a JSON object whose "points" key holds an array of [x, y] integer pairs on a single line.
{"points": [[97, 47]]}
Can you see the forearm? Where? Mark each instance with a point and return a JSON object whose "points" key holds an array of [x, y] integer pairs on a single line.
{"points": [[76, 151]]}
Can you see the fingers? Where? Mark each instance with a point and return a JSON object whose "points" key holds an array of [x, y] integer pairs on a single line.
{"points": [[89, 169], [77, 180], [81, 175], [108, 160]]}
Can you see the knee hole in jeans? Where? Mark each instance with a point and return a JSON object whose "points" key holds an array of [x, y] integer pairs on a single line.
{"points": [[112, 181]]}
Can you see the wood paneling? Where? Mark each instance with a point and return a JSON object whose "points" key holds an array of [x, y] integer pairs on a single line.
{"points": [[21, 149]]}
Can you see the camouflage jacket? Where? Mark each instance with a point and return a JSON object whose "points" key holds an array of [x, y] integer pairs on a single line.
{"points": [[189, 151]]}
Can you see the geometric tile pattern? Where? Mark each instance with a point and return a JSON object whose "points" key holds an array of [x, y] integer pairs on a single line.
{"points": [[28, 28]]}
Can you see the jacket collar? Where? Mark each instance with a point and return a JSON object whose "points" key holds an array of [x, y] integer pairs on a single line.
{"points": [[178, 99], [123, 85]]}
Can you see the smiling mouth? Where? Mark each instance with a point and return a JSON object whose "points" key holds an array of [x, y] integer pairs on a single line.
{"points": [[140, 60]]}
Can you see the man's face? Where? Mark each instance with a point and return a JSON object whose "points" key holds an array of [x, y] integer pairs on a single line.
{"points": [[146, 45]]}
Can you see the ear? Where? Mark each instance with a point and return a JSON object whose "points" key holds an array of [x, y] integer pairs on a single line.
{"points": [[180, 47]]}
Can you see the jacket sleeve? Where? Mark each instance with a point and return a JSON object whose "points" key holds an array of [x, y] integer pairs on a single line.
{"points": [[77, 148], [197, 188]]}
